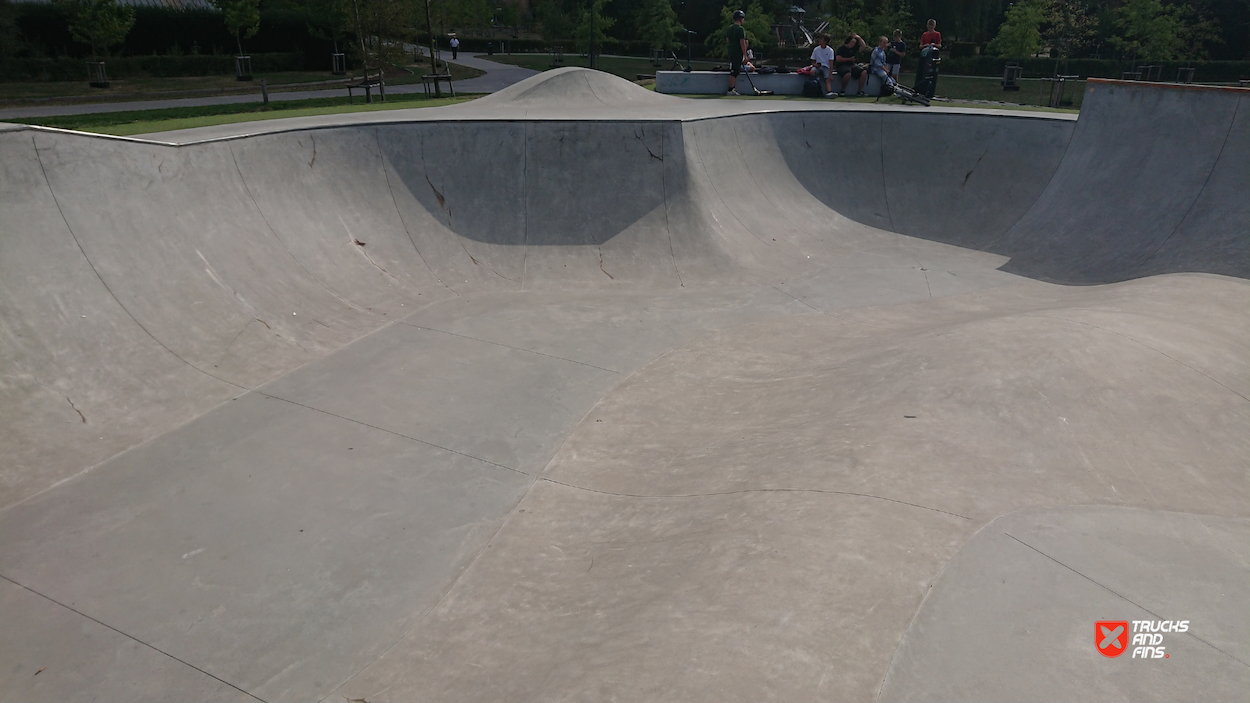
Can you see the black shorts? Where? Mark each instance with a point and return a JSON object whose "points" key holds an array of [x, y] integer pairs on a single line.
{"points": [[735, 67], [854, 69]]}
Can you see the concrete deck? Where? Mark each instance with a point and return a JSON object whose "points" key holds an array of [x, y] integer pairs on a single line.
{"points": [[580, 392], [717, 82]]}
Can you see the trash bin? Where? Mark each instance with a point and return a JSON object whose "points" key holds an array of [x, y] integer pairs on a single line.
{"points": [[490, 48], [1011, 76]]}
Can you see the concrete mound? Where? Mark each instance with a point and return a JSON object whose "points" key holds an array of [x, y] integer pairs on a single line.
{"points": [[573, 87], [582, 392]]}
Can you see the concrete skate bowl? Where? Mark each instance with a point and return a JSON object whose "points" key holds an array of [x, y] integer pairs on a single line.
{"points": [[581, 393]]}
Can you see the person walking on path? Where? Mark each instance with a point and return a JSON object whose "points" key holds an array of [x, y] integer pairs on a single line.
{"points": [[455, 47], [894, 57], [737, 39], [931, 37]]}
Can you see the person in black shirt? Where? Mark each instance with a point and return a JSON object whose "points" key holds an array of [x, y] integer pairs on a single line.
{"points": [[898, 48], [844, 61], [737, 39]]}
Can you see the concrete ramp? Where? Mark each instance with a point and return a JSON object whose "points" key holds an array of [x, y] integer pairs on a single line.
{"points": [[582, 392], [1149, 184]]}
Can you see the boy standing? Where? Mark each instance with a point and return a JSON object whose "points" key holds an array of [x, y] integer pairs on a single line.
{"points": [[894, 58], [822, 59], [931, 37], [737, 39]]}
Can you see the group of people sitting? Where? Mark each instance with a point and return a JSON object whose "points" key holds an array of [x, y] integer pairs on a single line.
{"points": [[886, 59], [884, 64]]}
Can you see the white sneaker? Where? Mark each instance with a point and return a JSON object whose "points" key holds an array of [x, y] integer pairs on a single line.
{"points": [[733, 92], [831, 94]]}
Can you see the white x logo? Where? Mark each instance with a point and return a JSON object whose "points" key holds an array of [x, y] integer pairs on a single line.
{"points": [[1110, 637]]}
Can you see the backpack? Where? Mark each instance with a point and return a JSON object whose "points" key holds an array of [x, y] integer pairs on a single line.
{"points": [[811, 88]]}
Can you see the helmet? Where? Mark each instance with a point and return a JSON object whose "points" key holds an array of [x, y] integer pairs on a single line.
{"points": [[739, 15]]}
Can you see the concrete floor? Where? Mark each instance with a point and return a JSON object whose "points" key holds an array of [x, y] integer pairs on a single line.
{"points": [[579, 392]]}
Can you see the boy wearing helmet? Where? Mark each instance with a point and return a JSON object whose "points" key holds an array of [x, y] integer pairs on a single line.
{"points": [[737, 38]]}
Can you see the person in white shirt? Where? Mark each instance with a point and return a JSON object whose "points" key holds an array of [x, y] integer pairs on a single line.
{"points": [[822, 59], [455, 47]]}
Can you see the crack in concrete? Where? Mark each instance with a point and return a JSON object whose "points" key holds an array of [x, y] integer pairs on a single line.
{"points": [[131, 637]]}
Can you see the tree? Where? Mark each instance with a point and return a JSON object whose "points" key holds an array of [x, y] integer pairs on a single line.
{"points": [[99, 24], [1150, 30], [10, 44], [848, 20], [658, 25], [556, 26], [758, 25], [891, 15], [1072, 26], [1021, 34], [242, 18], [601, 24], [381, 28], [329, 19]]}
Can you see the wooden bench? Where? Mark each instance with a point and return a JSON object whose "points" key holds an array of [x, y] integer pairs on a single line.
{"points": [[368, 86], [435, 79]]}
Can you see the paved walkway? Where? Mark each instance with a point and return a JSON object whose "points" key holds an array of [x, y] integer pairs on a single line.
{"points": [[498, 76]]}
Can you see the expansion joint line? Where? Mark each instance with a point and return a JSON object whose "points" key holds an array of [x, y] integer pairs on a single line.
{"points": [[746, 491], [1147, 346], [1231, 123], [393, 432], [505, 346], [525, 201], [81, 250], [395, 203], [885, 187], [668, 226], [264, 218], [131, 637], [1121, 596]]}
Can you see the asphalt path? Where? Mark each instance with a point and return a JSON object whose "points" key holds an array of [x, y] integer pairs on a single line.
{"points": [[498, 76]]}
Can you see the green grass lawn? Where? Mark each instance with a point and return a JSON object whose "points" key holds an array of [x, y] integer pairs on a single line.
{"points": [[21, 94], [979, 88], [884, 101], [163, 120]]}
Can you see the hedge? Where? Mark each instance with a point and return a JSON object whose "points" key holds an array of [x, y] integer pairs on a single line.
{"points": [[477, 45], [161, 30], [67, 69], [1204, 71]]}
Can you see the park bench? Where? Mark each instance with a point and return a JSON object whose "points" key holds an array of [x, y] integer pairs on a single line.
{"points": [[434, 79], [368, 85]]}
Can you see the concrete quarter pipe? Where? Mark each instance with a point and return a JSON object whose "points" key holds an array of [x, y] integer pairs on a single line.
{"points": [[579, 392]]}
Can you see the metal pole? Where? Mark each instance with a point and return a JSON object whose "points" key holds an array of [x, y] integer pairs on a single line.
{"points": [[592, 33]]}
